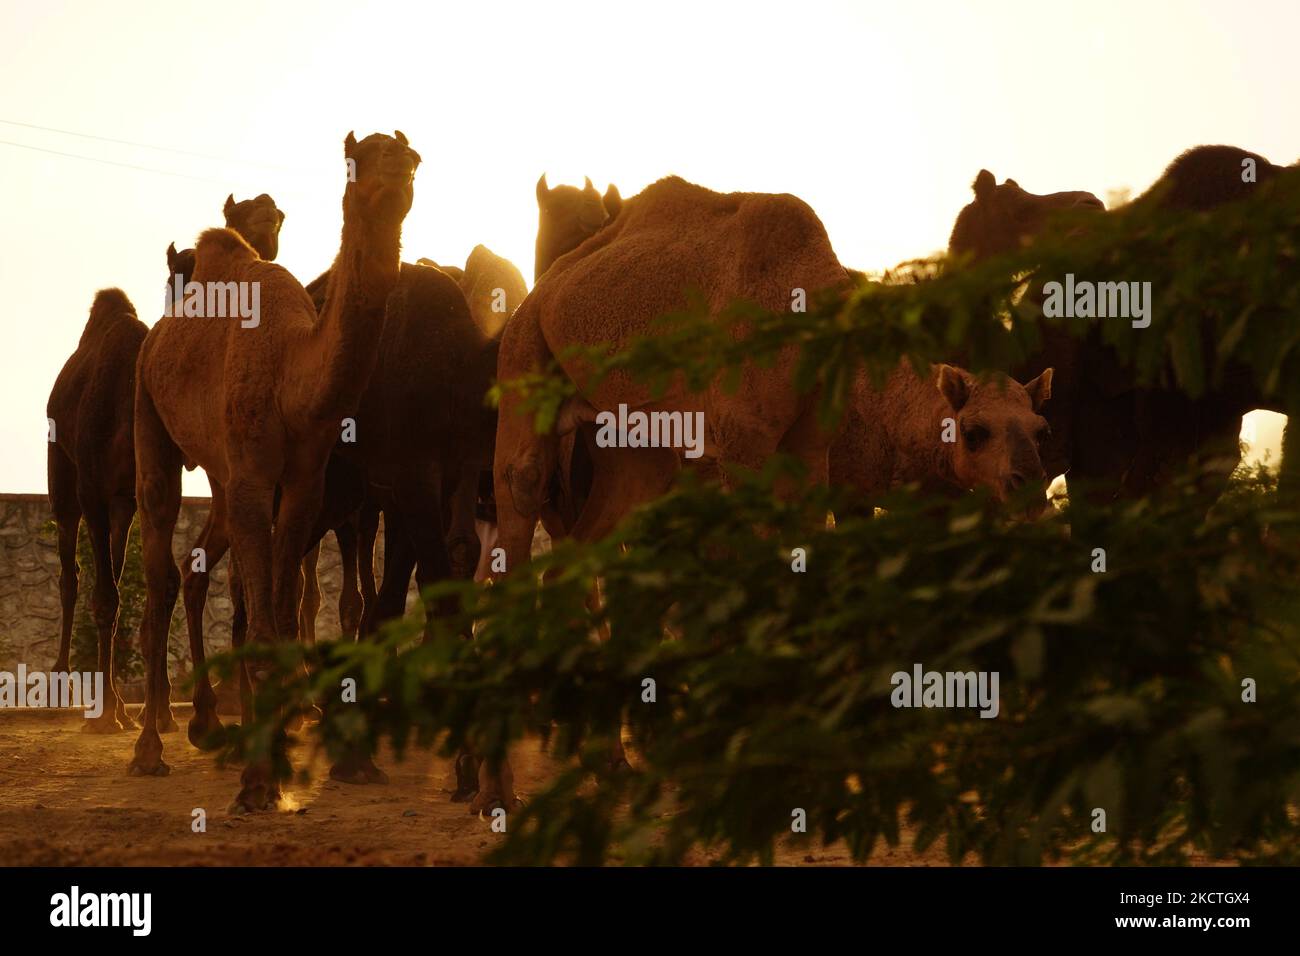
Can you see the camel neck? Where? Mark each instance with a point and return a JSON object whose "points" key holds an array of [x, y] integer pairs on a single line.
{"points": [[364, 273]]}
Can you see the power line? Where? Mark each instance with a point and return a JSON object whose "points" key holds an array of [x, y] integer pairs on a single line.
{"points": [[164, 149], [109, 162]]}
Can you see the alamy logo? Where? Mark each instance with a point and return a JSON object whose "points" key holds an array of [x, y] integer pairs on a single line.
{"points": [[1100, 300], [102, 909], [923, 688], [83, 690], [638, 429], [215, 300]]}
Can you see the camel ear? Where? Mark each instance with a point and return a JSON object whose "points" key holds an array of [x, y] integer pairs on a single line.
{"points": [[542, 190], [1040, 389], [230, 204], [589, 189], [171, 257], [401, 137], [280, 213], [984, 185], [350, 144], [613, 201], [954, 386]]}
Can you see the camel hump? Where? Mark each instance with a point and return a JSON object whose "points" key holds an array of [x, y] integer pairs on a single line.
{"points": [[1204, 177], [220, 244], [110, 302], [109, 306]]}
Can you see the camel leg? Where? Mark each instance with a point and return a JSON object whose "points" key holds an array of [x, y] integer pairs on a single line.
{"points": [[350, 599], [121, 512], [238, 638], [310, 596], [158, 491], [250, 502], [460, 518], [622, 479], [104, 605], [67, 516], [358, 766], [399, 562], [214, 544], [367, 532]]}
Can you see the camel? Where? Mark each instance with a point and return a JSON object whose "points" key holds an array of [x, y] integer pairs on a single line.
{"points": [[423, 448], [895, 435], [258, 221], [493, 286], [671, 237], [1114, 437], [91, 467], [260, 407], [567, 217], [424, 438]]}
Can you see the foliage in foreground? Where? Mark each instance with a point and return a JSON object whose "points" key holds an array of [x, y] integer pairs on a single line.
{"points": [[1120, 690]]}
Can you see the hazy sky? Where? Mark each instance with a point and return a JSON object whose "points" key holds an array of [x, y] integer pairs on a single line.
{"points": [[877, 114]]}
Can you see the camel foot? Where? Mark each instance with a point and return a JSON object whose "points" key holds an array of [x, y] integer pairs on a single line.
{"points": [[105, 723], [256, 797], [485, 803], [203, 728], [466, 778], [125, 719], [357, 770], [146, 767]]}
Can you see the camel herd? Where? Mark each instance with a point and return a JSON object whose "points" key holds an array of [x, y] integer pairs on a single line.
{"points": [[362, 392]]}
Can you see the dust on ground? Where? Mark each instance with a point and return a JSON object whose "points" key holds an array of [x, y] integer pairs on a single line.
{"points": [[66, 800]]}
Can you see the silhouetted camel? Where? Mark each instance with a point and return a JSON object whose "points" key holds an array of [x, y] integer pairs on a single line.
{"points": [[91, 470]]}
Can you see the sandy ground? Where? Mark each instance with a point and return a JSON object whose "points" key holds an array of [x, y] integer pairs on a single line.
{"points": [[65, 800]]}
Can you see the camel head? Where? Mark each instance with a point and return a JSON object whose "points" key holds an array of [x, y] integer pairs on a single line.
{"points": [[381, 177], [1002, 218], [258, 221], [567, 216], [999, 431], [179, 264]]}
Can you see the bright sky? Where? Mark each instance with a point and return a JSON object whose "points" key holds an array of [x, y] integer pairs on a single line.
{"points": [[877, 114]]}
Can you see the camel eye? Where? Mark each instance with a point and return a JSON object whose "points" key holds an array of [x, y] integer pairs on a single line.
{"points": [[974, 436], [1043, 434]]}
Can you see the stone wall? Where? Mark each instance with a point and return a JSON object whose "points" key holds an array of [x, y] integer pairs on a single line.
{"points": [[29, 587]]}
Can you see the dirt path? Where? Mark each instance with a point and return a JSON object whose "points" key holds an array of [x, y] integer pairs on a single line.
{"points": [[65, 800]]}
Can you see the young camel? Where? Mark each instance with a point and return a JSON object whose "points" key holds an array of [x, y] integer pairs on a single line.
{"points": [[91, 468], [258, 408]]}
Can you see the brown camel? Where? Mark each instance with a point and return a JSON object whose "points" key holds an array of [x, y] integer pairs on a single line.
{"points": [[258, 221], [672, 237], [91, 467], [1112, 436], [258, 407], [567, 217], [493, 287], [424, 437], [949, 432]]}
